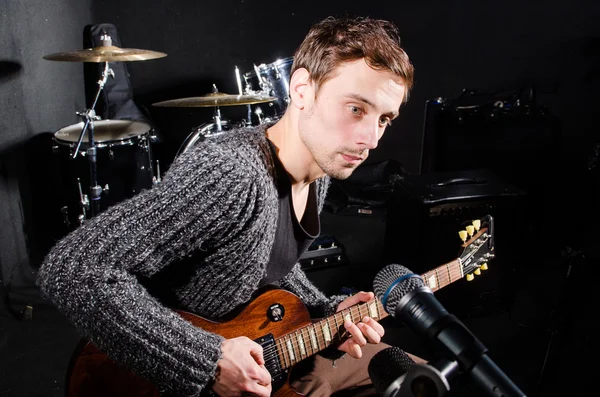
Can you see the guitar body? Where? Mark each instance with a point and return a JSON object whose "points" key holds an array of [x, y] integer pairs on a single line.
{"points": [[93, 374]]}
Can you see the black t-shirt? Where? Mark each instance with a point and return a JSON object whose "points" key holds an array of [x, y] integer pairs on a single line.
{"points": [[293, 237]]}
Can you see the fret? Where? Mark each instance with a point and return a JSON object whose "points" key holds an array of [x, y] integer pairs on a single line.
{"points": [[281, 348], [290, 349], [301, 343], [348, 316], [431, 280], [360, 307], [313, 339], [333, 329], [335, 320], [326, 332], [439, 277], [360, 315], [373, 310], [457, 264], [449, 274]]}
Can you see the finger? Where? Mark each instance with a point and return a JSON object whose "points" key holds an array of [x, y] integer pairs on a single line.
{"points": [[370, 334], [256, 351], [354, 349], [259, 390], [263, 377], [357, 335], [375, 325], [362, 296]]}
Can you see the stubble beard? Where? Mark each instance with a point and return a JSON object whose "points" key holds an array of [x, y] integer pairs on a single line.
{"points": [[327, 162]]}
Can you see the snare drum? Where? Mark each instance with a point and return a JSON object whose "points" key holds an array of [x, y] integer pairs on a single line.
{"points": [[123, 163], [271, 79]]}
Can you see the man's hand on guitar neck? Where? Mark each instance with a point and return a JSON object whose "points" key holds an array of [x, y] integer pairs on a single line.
{"points": [[241, 369], [366, 331]]}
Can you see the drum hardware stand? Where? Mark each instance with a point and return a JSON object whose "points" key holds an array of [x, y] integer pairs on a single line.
{"points": [[264, 87], [241, 92], [217, 112], [84, 201], [90, 116], [156, 179]]}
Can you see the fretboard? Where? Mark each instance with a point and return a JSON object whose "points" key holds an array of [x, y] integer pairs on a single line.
{"points": [[311, 339], [444, 275], [306, 341]]}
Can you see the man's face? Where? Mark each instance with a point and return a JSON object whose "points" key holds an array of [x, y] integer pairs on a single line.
{"points": [[348, 116]]}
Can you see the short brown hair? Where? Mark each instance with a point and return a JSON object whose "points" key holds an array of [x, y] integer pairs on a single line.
{"points": [[334, 41]]}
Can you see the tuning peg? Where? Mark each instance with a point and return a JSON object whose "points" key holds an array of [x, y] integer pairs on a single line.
{"points": [[477, 224], [484, 266], [470, 277], [463, 235], [470, 230], [477, 272]]}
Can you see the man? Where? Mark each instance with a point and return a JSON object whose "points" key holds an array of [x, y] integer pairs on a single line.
{"points": [[231, 215]]}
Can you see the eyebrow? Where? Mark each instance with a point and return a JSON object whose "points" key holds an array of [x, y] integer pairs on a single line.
{"points": [[361, 98]]}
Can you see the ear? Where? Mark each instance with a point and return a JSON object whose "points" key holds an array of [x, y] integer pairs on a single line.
{"points": [[301, 88]]}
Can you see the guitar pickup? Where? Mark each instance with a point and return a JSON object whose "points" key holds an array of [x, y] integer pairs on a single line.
{"points": [[272, 363]]}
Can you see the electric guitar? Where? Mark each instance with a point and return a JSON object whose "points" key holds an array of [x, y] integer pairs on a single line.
{"points": [[280, 323]]}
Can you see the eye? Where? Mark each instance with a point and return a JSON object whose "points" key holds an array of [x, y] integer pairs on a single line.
{"points": [[385, 121], [356, 110]]}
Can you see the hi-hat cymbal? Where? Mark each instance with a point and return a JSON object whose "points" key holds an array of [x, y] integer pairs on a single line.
{"points": [[216, 99], [103, 53]]}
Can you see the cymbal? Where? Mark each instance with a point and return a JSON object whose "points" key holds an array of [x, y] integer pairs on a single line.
{"points": [[216, 99], [105, 54]]}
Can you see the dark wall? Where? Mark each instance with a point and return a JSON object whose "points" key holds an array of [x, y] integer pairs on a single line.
{"points": [[486, 46], [36, 98]]}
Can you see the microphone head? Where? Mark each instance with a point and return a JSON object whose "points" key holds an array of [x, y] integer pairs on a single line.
{"points": [[386, 277], [388, 365]]}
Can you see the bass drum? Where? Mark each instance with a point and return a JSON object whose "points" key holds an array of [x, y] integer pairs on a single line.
{"points": [[204, 131], [123, 164], [272, 79]]}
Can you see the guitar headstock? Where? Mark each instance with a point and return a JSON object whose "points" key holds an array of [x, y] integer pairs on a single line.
{"points": [[478, 246]]}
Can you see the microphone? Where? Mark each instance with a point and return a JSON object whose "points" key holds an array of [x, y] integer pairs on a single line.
{"points": [[386, 367], [405, 297], [391, 368]]}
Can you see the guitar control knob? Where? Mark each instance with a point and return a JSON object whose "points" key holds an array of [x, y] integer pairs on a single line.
{"points": [[275, 312]]}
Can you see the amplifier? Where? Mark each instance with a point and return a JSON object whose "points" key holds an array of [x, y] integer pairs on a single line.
{"points": [[427, 211]]}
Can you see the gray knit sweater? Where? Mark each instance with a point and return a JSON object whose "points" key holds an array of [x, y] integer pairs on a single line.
{"points": [[211, 222]]}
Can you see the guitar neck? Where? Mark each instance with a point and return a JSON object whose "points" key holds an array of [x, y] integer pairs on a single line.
{"points": [[311, 339]]}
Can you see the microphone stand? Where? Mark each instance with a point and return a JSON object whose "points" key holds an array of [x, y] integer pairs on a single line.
{"points": [[424, 380], [89, 115]]}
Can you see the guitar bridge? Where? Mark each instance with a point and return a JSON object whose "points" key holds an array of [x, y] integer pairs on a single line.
{"points": [[272, 363]]}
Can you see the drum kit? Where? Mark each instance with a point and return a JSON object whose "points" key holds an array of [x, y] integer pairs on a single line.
{"points": [[115, 160]]}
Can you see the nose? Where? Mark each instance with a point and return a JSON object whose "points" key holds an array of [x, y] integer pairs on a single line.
{"points": [[370, 133]]}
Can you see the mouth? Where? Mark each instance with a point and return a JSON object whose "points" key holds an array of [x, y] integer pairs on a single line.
{"points": [[352, 159]]}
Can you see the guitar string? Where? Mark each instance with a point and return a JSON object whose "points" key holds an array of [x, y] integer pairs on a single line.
{"points": [[272, 351], [292, 339], [320, 340], [304, 332], [442, 277]]}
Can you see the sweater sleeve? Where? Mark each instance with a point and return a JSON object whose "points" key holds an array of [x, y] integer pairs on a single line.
{"points": [[316, 301], [91, 275]]}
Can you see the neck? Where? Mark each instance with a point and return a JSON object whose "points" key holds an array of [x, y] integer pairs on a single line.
{"points": [[293, 154]]}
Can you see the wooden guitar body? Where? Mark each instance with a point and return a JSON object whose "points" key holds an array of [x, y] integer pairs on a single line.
{"points": [[93, 374]]}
